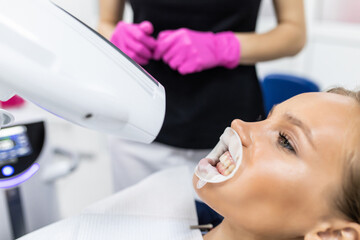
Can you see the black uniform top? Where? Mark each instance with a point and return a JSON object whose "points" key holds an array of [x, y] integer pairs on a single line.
{"points": [[200, 106]]}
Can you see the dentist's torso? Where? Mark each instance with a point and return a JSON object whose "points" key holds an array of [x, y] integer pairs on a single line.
{"points": [[200, 106]]}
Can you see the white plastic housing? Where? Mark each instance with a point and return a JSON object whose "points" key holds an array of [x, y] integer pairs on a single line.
{"points": [[6, 118], [52, 59]]}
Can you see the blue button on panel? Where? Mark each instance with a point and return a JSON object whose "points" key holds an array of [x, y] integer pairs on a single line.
{"points": [[7, 171]]}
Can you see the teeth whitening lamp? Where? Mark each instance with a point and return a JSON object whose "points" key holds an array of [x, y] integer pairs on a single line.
{"points": [[55, 61], [52, 59]]}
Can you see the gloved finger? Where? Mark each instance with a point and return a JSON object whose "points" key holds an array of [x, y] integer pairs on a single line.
{"points": [[164, 42], [164, 34], [140, 60], [188, 67], [148, 41], [122, 47], [175, 62], [147, 27], [139, 35], [138, 48], [118, 42], [173, 51]]}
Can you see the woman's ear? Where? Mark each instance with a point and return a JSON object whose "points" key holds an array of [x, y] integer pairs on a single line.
{"points": [[339, 230]]}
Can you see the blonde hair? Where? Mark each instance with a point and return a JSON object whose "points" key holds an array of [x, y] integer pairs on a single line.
{"points": [[348, 201]]}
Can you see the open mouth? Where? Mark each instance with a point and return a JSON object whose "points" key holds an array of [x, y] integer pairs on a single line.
{"points": [[223, 161], [226, 164]]}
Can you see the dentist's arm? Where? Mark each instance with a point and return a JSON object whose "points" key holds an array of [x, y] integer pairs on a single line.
{"points": [[189, 51], [111, 12], [286, 39]]}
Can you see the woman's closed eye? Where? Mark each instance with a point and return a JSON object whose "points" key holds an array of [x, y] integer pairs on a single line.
{"points": [[284, 142]]}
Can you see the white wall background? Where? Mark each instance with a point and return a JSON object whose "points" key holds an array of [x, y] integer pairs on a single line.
{"points": [[333, 47], [330, 58]]}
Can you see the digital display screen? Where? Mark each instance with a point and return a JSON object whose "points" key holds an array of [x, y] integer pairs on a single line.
{"points": [[14, 143]]}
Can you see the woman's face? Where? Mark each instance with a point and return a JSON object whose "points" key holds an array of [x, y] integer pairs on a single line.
{"points": [[291, 168]]}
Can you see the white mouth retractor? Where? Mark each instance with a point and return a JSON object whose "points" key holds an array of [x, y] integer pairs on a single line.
{"points": [[206, 170]]}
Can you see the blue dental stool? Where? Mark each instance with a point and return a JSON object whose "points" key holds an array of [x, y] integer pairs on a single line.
{"points": [[280, 87]]}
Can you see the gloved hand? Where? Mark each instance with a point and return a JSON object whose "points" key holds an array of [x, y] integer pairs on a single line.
{"points": [[189, 51], [135, 40]]}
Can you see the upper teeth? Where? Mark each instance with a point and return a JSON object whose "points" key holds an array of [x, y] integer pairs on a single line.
{"points": [[226, 159], [226, 164]]}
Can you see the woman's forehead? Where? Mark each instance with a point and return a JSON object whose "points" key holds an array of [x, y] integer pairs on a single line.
{"points": [[319, 112], [323, 103], [332, 118]]}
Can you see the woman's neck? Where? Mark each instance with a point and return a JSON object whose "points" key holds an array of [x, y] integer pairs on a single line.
{"points": [[227, 231]]}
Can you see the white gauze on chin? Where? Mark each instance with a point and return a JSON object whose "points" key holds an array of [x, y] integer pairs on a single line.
{"points": [[206, 169]]}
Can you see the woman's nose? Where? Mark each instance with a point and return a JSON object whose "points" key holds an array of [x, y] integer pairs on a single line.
{"points": [[243, 130]]}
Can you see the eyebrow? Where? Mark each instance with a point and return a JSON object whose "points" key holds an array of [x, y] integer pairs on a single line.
{"points": [[297, 122]]}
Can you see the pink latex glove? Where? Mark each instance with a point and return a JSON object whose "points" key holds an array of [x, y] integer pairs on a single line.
{"points": [[135, 40], [189, 51]]}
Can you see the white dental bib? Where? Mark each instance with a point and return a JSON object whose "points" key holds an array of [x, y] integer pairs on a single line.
{"points": [[206, 170], [160, 207]]}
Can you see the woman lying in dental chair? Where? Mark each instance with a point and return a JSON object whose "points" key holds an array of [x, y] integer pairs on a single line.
{"points": [[295, 175], [300, 173]]}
